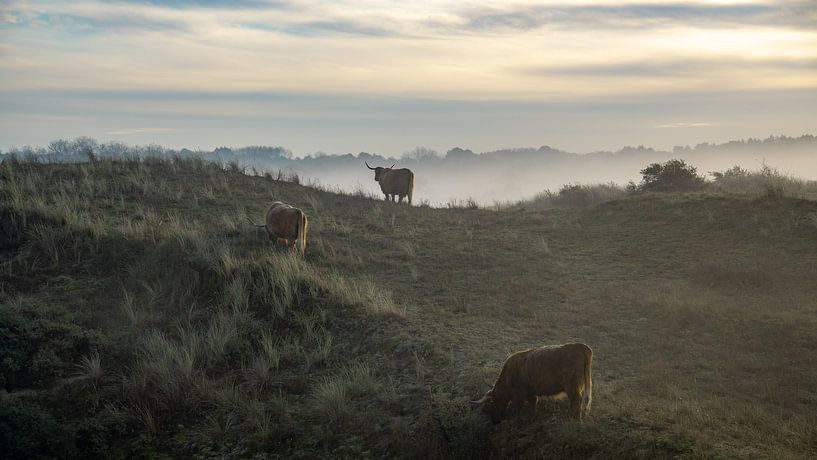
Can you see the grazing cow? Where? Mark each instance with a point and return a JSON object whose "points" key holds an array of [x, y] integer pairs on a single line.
{"points": [[394, 182], [286, 224], [551, 372]]}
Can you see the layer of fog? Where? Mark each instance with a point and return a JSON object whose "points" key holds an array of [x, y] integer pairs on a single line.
{"points": [[512, 175], [490, 177]]}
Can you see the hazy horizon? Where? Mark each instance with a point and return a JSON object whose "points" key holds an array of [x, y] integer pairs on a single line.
{"points": [[387, 76], [501, 176]]}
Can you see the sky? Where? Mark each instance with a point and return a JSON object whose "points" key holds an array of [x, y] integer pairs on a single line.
{"points": [[387, 76]]}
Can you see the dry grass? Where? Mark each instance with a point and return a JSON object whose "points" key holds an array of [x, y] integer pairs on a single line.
{"points": [[766, 181], [700, 309]]}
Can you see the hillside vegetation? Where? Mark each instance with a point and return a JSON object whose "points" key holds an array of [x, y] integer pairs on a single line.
{"points": [[485, 177], [142, 315]]}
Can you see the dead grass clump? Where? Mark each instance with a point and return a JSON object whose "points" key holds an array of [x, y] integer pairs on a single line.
{"points": [[767, 182], [333, 396], [575, 196]]}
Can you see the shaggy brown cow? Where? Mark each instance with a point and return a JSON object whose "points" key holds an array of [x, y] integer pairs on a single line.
{"points": [[551, 372], [287, 224], [394, 182]]}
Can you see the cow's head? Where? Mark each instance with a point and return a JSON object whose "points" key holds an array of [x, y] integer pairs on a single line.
{"points": [[493, 406], [378, 171]]}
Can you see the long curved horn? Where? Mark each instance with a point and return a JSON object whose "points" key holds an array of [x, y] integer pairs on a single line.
{"points": [[392, 166], [477, 403], [367, 165]]}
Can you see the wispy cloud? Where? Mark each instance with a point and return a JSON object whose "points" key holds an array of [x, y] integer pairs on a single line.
{"points": [[226, 4], [8, 18], [640, 15], [202, 18], [678, 66], [194, 60], [129, 131], [698, 124]]}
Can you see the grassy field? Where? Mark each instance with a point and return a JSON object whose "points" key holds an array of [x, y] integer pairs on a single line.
{"points": [[142, 315]]}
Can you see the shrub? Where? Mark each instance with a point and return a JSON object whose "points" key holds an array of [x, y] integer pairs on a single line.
{"points": [[39, 343], [26, 431], [574, 195], [672, 176], [767, 181], [577, 196], [735, 172]]}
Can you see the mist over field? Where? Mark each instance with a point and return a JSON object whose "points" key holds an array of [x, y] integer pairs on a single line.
{"points": [[517, 174], [460, 174]]}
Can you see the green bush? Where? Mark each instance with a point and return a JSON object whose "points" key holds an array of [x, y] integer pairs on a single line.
{"points": [[28, 432], [39, 343], [577, 196], [672, 176]]}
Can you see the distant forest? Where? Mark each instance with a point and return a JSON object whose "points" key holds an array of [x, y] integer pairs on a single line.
{"points": [[459, 173]]}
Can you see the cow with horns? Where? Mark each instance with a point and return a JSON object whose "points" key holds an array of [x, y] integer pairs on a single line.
{"points": [[394, 182]]}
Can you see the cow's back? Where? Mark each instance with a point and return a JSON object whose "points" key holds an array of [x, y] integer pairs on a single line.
{"points": [[559, 365], [283, 220], [397, 181], [543, 371]]}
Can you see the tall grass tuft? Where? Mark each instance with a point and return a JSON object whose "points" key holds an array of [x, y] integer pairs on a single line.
{"points": [[132, 312], [279, 280], [144, 414], [379, 300], [361, 380], [332, 400], [90, 368]]}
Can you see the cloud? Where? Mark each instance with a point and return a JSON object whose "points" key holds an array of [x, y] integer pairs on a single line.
{"points": [[119, 22], [391, 125], [338, 26], [203, 18], [129, 131], [227, 4], [8, 17], [639, 15], [676, 67], [406, 49], [684, 125]]}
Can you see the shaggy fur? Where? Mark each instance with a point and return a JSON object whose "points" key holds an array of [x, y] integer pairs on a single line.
{"points": [[552, 372], [286, 224], [394, 182]]}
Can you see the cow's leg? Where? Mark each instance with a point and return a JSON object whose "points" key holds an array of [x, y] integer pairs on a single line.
{"points": [[400, 198], [533, 400], [576, 401]]}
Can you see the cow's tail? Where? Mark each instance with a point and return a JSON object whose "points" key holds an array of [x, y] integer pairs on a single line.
{"points": [[302, 224], [410, 188], [254, 224], [588, 378]]}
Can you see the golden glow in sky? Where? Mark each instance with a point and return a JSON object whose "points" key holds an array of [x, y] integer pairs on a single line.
{"points": [[550, 52]]}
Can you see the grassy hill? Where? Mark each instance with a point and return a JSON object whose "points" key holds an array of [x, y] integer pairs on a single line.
{"points": [[142, 315]]}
